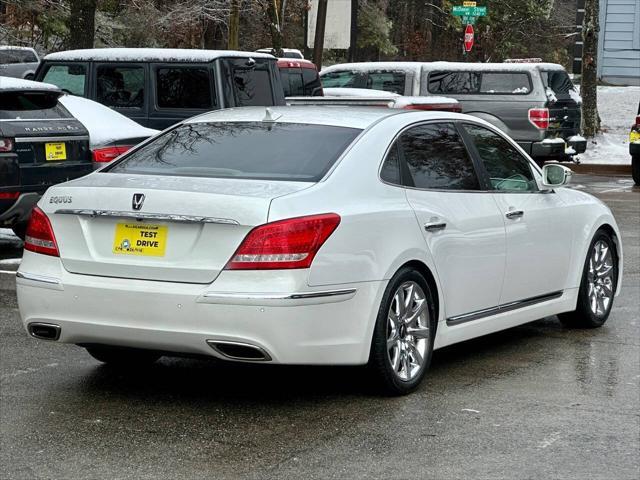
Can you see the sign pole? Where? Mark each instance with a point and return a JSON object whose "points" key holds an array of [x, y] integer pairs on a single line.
{"points": [[318, 42]]}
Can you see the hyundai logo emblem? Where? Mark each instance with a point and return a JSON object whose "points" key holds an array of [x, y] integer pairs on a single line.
{"points": [[138, 200]]}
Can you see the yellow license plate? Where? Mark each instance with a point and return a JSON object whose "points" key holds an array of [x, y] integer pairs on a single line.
{"points": [[634, 137], [140, 239], [55, 151]]}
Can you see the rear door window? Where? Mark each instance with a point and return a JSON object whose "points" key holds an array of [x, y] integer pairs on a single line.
{"points": [[559, 82], [120, 86], [27, 56], [387, 81], [505, 83], [251, 83], [9, 56], [454, 82], [344, 79], [292, 82], [70, 78], [243, 150], [437, 158], [184, 87], [31, 105]]}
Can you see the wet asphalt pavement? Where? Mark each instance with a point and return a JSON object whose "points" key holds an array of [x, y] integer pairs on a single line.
{"points": [[537, 401]]}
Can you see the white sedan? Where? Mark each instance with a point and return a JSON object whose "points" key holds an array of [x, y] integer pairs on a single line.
{"points": [[315, 235]]}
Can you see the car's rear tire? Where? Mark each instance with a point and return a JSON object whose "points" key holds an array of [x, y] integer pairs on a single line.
{"points": [[635, 168], [123, 357], [20, 230], [598, 285], [403, 336]]}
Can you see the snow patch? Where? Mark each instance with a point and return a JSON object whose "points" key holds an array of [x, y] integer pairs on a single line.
{"points": [[551, 96], [575, 96], [10, 83], [104, 125], [149, 54], [357, 92]]}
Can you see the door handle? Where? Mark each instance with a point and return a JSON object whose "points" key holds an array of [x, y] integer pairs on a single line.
{"points": [[514, 214], [435, 226]]}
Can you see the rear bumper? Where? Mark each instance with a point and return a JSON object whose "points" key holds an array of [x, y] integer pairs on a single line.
{"points": [[292, 323], [547, 149], [20, 210]]}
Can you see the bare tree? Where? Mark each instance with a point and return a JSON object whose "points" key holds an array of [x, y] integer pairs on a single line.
{"points": [[589, 81]]}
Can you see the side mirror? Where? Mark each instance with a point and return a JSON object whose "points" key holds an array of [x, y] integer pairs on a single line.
{"points": [[555, 175]]}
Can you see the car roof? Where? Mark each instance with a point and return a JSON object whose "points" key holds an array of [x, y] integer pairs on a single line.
{"points": [[10, 84], [149, 55], [10, 47], [336, 116], [415, 66]]}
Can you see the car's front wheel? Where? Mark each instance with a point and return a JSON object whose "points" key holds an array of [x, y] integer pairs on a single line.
{"points": [[123, 357], [598, 285], [403, 337]]}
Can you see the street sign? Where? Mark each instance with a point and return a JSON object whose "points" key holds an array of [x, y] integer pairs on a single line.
{"points": [[460, 11], [469, 20], [468, 38], [466, 3]]}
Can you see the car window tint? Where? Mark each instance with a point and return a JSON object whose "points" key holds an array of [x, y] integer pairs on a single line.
{"points": [[292, 82], [183, 87], [27, 56], [507, 168], [454, 82], [390, 171], [437, 158], [9, 56], [387, 81], [558, 81], [343, 79], [312, 85], [120, 87], [26, 105], [70, 78], [251, 83], [512, 83], [242, 150]]}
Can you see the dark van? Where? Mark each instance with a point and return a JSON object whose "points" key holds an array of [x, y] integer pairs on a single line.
{"points": [[160, 87]]}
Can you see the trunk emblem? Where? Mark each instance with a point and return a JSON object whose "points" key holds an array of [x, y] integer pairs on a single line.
{"points": [[138, 200]]}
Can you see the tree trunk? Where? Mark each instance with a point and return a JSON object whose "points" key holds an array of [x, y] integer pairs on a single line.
{"points": [[82, 23], [274, 26], [234, 25], [589, 80]]}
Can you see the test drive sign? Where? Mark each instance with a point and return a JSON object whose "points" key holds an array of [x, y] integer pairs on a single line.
{"points": [[468, 38]]}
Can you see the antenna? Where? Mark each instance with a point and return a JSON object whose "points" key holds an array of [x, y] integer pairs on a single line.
{"points": [[269, 116]]}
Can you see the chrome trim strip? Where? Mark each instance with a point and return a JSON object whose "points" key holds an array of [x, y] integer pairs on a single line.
{"points": [[263, 352], [146, 216], [278, 296], [506, 307], [38, 278], [51, 139]]}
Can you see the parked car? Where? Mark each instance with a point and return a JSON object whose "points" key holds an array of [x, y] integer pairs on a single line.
{"points": [[534, 103], [18, 62], [315, 235], [160, 87], [287, 52], [110, 133], [41, 144], [299, 78], [634, 148]]}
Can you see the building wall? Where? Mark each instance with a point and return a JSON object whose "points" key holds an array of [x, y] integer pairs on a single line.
{"points": [[619, 42]]}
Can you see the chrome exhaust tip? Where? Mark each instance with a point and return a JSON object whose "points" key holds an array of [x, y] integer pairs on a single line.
{"points": [[239, 351], [44, 331]]}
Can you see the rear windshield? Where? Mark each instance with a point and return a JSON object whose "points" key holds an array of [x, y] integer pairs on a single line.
{"points": [[558, 81], [31, 105], [244, 150]]}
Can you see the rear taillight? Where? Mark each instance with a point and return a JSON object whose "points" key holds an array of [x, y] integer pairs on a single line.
{"points": [[9, 195], [637, 121], [6, 144], [39, 237], [539, 117], [107, 154], [291, 243]]}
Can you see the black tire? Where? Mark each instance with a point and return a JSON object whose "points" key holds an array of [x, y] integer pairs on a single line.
{"points": [[635, 169], [20, 230], [584, 316], [380, 362], [123, 357]]}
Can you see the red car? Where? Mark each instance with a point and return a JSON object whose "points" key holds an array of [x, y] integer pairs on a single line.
{"points": [[299, 78]]}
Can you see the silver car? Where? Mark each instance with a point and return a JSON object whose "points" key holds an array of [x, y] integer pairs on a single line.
{"points": [[18, 62]]}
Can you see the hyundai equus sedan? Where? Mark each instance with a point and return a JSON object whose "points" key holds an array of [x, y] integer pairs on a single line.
{"points": [[315, 235]]}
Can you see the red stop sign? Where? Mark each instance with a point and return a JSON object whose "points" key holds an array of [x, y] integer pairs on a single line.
{"points": [[468, 38]]}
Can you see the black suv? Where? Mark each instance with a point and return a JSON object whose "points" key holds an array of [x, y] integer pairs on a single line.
{"points": [[41, 144], [160, 87]]}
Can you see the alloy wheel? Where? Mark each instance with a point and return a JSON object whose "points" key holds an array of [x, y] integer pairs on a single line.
{"points": [[408, 331], [600, 278]]}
